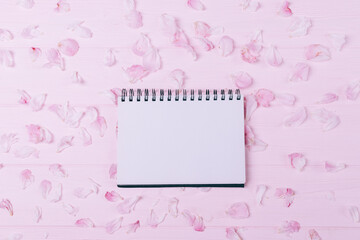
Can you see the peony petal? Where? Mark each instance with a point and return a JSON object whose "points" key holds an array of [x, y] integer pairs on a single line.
{"points": [[56, 193], [55, 59], [83, 192], [313, 234], [327, 118], [232, 233], [286, 99], [317, 53], [250, 5], [179, 76], [205, 44], [6, 141], [296, 118], [299, 27], [68, 46], [242, 80], [38, 214], [250, 106], [300, 72], [6, 204], [152, 60], [199, 224], [225, 46], [136, 72], [80, 30], [133, 227], [45, 188], [289, 227], [297, 161], [27, 178], [154, 220], [252, 142], [34, 53], [85, 223], [113, 171], [39, 134], [100, 125], [62, 6], [353, 90], [26, 151], [142, 45], [26, 3], [173, 207], [114, 225], [58, 170], [196, 5], [85, 137], [7, 58], [77, 78], [64, 143], [6, 35], [133, 19], [264, 97], [70, 209], [128, 204], [285, 11], [31, 31], [287, 194], [273, 57], [113, 196], [238, 210], [337, 40], [354, 213], [328, 98], [110, 58], [202, 29], [260, 192], [329, 167]]}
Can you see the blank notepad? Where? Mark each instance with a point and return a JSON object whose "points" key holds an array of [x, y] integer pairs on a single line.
{"points": [[182, 138]]}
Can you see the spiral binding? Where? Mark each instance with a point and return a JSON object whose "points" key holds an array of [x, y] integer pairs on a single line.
{"points": [[170, 95]]}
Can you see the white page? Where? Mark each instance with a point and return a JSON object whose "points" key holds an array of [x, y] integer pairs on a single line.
{"points": [[181, 142]]}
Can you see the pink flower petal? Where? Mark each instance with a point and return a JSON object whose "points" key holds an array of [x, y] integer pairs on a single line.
{"points": [[154, 220], [248, 55], [196, 5], [152, 60], [329, 167], [299, 27], [113, 171], [136, 72], [85, 223], [68, 114], [70, 209], [328, 98], [133, 227], [85, 137], [25, 97], [68, 46], [128, 204], [328, 119], [337, 40], [250, 106], [179, 76], [242, 80], [26, 151], [250, 5], [31, 31], [297, 161], [300, 72], [62, 6], [290, 227], [27, 178], [56, 193], [133, 19], [95, 186], [130, 5], [34, 53], [202, 29], [286, 99], [317, 53], [77, 78], [205, 44], [238, 210], [232, 233], [114, 225], [38, 102], [273, 57], [38, 214], [64, 143], [83, 192], [353, 90], [260, 192], [6, 141], [113, 196], [287, 194], [80, 30], [173, 207], [264, 97], [39, 134], [58, 170], [45, 188], [296, 118], [285, 11], [313, 234], [6, 35], [225, 46], [6, 204], [354, 213], [199, 224], [189, 217], [142, 45], [100, 125], [110, 59], [252, 143], [55, 59], [26, 3], [7, 58]]}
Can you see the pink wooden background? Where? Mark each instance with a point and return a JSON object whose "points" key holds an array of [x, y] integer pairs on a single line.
{"points": [[321, 200]]}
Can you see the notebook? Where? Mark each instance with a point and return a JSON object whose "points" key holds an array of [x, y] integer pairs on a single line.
{"points": [[187, 138]]}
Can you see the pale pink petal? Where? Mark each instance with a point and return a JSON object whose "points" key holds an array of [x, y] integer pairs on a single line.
{"points": [[92, 113], [205, 44], [68, 114], [114, 225], [317, 53], [154, 220], [232, 233], [242, 79], [297, 161], [26, 3], [287, 194], [252, 143], [189, 217], [58, 170], [152, 60], [55, 59], [77, 78], [136, 72], [260, 192], [133, 19], [328, 98], [299, 27], [202, 29], [110, 59], [285, 11], [133, 227], [64, 143], [5, 35], [169, 25], [6, 204], [85, 223], [328, 119], [130, 4], [128, 204], [113, 196], [225, 46], [337, 40], [95, 186], [300, 72], [179, 76], [113, 171], [70, 209], [6, 141], [31, 31], [354, 213], [25, 97], [313, 234], [250, 5], [26, 151], [34, 53], [56, 193], [199, 224], [62, 6], [39, 134], [273, 57], [142, 45], [7, 58], [353, 90], [248, 55], [85, 137], [100, 125], [286, 98], [289, 227], [238, 210], [37, 214], [173, 207], [45, 188], [68, 46], [80, 30], [38, 102], [264, 97], [250, 106], [330, 167], [196, 5], [296, 118], [27, 178], [83, 192]]}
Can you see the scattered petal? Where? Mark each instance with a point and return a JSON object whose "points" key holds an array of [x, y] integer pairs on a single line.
{"points": [[95, 186], [133, 19], [327, 118], [38, 214], [130, 5], [250, 106], [6, 141], [154, 220], [83, 192], [85, 223], [238, 210], [199, 224], [68, 46], [114, 225], [173, 207], [57, 170], [133, 227], [232, 233], [55, 59], [128, 204], [297, 161], [250, 5], [290, 227], [110, 58], [296, 118], [64, 143], [70, 209], [328, 98], [113, 171], [27, 178], [179, 76], [113, 196], [300, 72], [100, 125], [68, 114], [26, 3], [31, 31], [242, 80], [80, 30], [285, 11], [62, 6], [202, 29], [45, 187], [252, 143], [205, 44], [287, 194], [85, 137], [196, 5], [152, 60], [6, 35], [189, 217], [7, 58], [313, 234], [39, 134], [37, 103], [329, 167], [26, 151], [264, 97], [337, 40], [354, 212], [6, 204], [136, 72], [77, 78], [142, 45], [225, 46], [353, 90], [273, 57], [56, 193], [260, 192], [286, 99], [34, 53], [299, 27], [317, 53]]}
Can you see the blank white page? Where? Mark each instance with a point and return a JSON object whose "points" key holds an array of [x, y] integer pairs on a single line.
{"points": [[181, 143]]}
